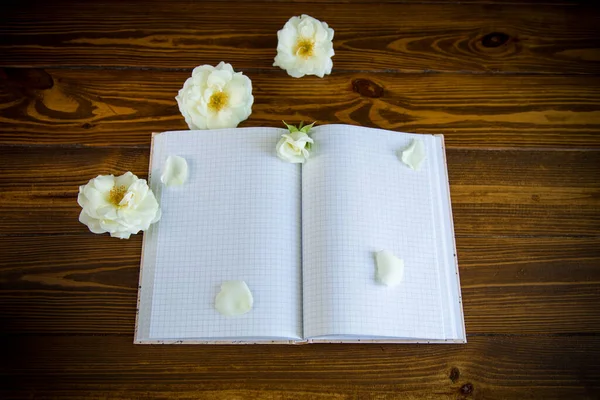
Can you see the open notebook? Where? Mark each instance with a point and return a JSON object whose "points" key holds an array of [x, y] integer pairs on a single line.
{"points": [[303, 237]]}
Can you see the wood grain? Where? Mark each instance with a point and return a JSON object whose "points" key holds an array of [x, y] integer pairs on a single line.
{"points": [[79, 284], [487, 368], [383, 37], [513, 85], [122, 108], [526, 192]]}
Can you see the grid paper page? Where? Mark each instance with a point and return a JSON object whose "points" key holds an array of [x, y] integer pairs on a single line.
{"points": [[359, 198], [236, 218]]}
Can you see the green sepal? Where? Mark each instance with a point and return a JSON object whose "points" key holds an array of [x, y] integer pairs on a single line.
{"points": [[291, 128], [307, 128], [300, 128]]}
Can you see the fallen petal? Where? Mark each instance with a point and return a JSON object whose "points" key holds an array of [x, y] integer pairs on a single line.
{"points": [[414, 154], [175, 171], [234, 298], [390, 269]]}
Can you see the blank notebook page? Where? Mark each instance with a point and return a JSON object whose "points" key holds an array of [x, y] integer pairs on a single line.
{"points": [[236, 218], [359, 198]]}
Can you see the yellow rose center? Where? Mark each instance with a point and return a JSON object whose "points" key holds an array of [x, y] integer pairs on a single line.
{"points": [[218, 101], [116, 194], [305, 47]]}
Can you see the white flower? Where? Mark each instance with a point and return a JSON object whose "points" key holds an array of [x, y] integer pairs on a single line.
{"points": [[305, 47], [121, 205], [215, 97], [175, 171], [293, 147]]}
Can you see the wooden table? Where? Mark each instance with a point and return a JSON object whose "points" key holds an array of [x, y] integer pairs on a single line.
{"points": [[515, 89]]}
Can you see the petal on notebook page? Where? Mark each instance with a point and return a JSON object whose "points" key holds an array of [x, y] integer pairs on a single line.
{"points": [[390, 269], [175, 171], [234, 298], [414, 154]]}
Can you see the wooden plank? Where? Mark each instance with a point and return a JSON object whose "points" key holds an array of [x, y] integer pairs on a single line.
{"points": [[493, 192], [345, 2], [399, 37], [487, 367], [122, 107], [79, 284]]}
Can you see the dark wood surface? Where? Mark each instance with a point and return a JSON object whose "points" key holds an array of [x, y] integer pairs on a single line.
{"points": [[513, 86]]}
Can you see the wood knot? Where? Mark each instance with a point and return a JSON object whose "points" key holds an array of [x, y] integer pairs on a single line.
{"points": [[494, 39], [367, 88], [27, 78], [454, 374], [467, 388]]}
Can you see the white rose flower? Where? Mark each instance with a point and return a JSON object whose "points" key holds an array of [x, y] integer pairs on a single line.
{"points": [[305, 47], [293, 147], [120, 206], [215, 97]]}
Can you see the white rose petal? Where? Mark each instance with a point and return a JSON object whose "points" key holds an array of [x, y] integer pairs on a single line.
{"points": [[414, 154], [292, 147], [215, 97], [122, 205], [234, 298], [390, 269], [305, 47], [175, 171]]}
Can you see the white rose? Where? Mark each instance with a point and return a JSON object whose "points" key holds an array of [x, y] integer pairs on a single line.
{"points": [[120, 206], [305, 47], [292, 147], [215, 97]]}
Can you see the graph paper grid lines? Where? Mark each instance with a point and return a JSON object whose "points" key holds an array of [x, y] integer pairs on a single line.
{"points": [[237, 218], [303, 237], [358, 198]]}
